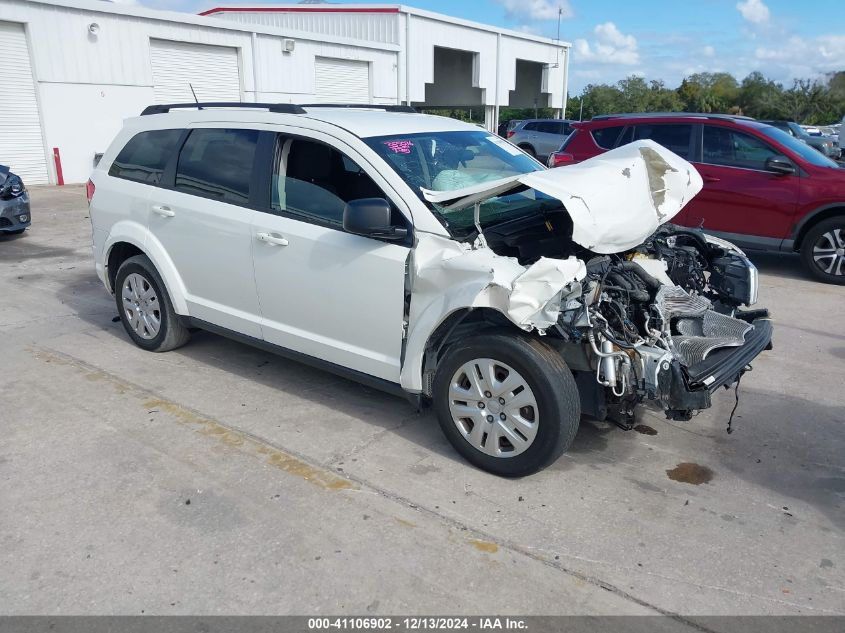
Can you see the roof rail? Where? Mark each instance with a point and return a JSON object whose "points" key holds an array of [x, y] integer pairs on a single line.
{"points": [[284, 108], [700, 115], [364, 106]]}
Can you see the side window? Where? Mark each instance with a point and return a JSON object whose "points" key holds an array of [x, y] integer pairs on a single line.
{"points": [[674, 137], [315, 181], [531, 127], [217, 163], [605, 137], [145, 155], [723, 146]]}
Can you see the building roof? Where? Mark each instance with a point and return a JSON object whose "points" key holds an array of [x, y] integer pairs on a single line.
{"points": [[378, 8]]}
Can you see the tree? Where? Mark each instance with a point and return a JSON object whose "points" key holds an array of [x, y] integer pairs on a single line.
{"points": [[760, 98]]}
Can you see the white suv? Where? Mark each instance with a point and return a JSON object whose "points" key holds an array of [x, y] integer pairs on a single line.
{"points": [[427, 257]]}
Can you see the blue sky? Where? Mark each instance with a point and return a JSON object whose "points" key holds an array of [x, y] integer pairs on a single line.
{"points": [[658, 39]]}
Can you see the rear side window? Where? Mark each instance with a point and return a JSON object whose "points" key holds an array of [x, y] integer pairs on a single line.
{"points": [[551, 127], [605, 137], [531, 127], [674, 137], [145, 155], [217, 164]]}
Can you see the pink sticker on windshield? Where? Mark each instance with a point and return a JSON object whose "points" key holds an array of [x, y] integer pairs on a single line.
{"points": [[400, 147]]}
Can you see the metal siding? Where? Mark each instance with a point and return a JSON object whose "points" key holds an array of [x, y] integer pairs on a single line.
{"points": [[341, 81], [369, 27], [211, 70], [21, 143]]}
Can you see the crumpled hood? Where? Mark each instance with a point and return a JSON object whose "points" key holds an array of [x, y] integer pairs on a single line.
{"points": [[616, 200]]}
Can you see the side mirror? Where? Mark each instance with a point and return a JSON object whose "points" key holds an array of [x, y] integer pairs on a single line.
{"points": [[371, 217], [780, 165]]}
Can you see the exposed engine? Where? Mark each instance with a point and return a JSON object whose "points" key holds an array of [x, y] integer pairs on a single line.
{"points": [[657, 318]]}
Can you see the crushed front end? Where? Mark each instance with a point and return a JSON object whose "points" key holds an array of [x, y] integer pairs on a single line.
{"points": [[667, 322]]}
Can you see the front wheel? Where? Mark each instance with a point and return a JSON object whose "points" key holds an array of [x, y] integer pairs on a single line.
{"points": [[507, 403], [823, 250]]}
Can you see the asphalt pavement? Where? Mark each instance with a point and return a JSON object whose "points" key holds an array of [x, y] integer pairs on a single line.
{"points": [[221, 479]]}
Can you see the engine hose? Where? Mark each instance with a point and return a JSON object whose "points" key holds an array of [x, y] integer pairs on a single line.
{"points": [[703, 246], [637, 294], [633, 267]]}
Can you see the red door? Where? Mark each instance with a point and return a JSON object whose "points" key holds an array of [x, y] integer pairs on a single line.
{"points": [[739, 195]]}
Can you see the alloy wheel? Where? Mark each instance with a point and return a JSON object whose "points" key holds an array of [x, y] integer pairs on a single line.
{"points": [[829, 252]]}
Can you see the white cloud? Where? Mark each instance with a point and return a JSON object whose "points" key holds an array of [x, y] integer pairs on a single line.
{"points": [[799, 57], [610, 46], [529, 29], [537, 10], [708, 51], [755, 11]]}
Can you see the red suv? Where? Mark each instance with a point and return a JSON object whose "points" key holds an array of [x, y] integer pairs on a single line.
{"points": [[763, 189]]}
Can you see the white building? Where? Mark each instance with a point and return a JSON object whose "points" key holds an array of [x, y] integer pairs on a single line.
{"points": [[72, 70]]}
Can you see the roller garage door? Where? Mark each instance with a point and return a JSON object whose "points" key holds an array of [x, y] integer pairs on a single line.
{"points": [[21, 144], [342, 80], [211, 70]]}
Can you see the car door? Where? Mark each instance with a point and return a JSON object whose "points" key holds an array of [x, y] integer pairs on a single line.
{"points": [[740, 197], [202, 218], [324, 292]]}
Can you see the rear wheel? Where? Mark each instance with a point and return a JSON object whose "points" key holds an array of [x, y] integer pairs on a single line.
{"points": [[823, 250], [507, 403], [145, 309], [528, 150]]}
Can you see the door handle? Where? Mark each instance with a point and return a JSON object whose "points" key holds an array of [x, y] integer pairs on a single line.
{"points": [[163, 210], [269, 238], [710, 179]]}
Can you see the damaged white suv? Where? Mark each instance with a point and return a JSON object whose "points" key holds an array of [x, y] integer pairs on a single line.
{"points": [[428, 257]]}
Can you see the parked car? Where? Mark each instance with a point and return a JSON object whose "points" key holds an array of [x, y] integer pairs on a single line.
{"points": [[823, 144], [540, 137], [423, 256], [15, 215], [763, 188], [507, 126]]}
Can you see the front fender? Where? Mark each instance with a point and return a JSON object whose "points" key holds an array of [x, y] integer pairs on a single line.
{"points": [[136, 234], [447, 277]]}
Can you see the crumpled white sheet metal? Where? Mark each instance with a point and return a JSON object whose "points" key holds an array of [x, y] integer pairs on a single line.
{"points": [[615, 200], [446, 272], [448, 276]]}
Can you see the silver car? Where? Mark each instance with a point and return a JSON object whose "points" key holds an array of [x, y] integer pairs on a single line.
{"points": [[14, 203], [540, 137]]}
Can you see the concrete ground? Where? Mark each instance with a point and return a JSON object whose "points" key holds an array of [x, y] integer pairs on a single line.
{"points": [[219, 479]]}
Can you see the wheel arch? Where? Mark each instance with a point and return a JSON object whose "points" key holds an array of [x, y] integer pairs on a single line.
{"points": [[451, 328], [129, 239], [813, 218]]}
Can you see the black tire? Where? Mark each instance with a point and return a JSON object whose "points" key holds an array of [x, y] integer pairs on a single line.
{"points": [[172, 332], [528, 150], [832, 227], [550, 380]]}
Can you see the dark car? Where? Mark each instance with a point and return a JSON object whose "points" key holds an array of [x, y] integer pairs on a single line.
{"points": [[763, 189], [14, 203], [822, 143]]}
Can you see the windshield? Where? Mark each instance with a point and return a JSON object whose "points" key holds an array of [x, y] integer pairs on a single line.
{"points": [[808, 153], [446, 161]]}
